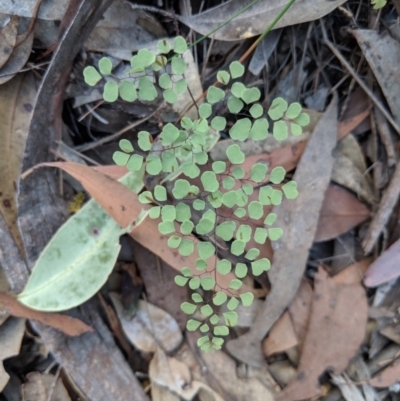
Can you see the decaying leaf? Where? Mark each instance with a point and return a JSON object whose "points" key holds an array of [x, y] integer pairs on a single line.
{"points": [[350, 169], [115, 198], [383, 55], [298, 218], [281, 337], [222, 368], [388, 376], [158, 279], [385, 267], [120, 30], [17, 98], [66, 324], [354, 273], [255, 20], [11, 334], [8, 36], [44, 387], [27, 8], [300, 310], [348, 389], [335, 332], [179, 377], [20, 54], [150, 327], [340, 212]]}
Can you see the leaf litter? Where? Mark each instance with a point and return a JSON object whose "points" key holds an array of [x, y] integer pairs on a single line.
{"points": [[291, 256], [309, 327]]}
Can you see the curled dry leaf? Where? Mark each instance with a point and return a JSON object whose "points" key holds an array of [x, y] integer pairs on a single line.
{"points": [[350, 169], [11, 334], [334, 335], [340, 212], [66, 324], [299, 219], [385, 267], [17, 98], [223, 369], [254, 20], [150, 327]]}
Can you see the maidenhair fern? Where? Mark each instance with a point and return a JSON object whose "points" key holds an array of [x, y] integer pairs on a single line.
{"points": [[203, 191]]}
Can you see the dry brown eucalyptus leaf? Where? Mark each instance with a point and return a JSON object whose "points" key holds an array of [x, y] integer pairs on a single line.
{"points": [[334, 335]]}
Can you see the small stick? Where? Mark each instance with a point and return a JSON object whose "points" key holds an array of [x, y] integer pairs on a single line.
{"points": [[119, 133], [385, 209]]}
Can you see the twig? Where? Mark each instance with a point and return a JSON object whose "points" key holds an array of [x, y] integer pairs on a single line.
{"points": [[92, 145], [384, 134], [363, 85], [385, 209], [91, 110], [53, 384]]}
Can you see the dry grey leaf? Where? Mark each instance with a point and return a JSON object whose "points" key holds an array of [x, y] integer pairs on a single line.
{"points": [[123, 28], [11, 334], [223, 369], [150, 327], [385, 267], [20, 53], [17, 99], [44, 387], [383, 55], [8, 36], [350, 169], [299, 219], [257, 18], [348, 389], [49, 9], [263, 52]]}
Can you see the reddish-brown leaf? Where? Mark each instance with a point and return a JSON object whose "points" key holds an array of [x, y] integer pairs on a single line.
{"points": [[281, 337], [340, 212], [334, 335], [68, 325], [386, 267], [116, 199], [388, 376], [300, 310]]}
